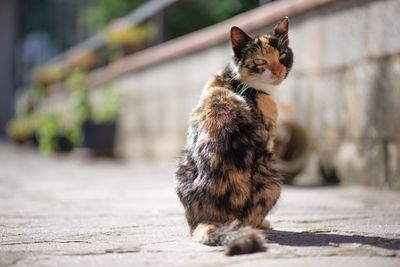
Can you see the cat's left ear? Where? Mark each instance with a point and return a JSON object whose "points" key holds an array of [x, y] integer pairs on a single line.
{"points": [[239, 40], [282, 28]]}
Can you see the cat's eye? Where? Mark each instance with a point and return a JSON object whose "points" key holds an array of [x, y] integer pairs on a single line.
{"points": [[259, 61], [282, 56]]}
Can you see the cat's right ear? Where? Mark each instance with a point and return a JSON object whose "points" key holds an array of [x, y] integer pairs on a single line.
{"points": [[239, 40], [282, 28]]}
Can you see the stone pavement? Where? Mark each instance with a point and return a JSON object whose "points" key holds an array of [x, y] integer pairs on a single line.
{"points": [[71, 211]]}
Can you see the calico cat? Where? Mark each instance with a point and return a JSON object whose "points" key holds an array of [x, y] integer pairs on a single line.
{"points": [[225, 177]]}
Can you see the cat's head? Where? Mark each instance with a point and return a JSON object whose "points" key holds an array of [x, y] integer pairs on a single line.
{"points": [[264, 60]]}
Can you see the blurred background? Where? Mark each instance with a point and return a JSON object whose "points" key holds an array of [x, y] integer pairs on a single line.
{"points": [[118, 79]]}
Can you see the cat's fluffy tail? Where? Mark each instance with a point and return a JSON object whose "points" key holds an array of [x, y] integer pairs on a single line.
{"points": [[236, 239]]}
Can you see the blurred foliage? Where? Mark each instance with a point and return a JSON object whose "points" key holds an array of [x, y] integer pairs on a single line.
{"points": [[82, 59], [30, 99], [35, 92], [46, 132], [79, 95], [191, 15], [65, 122], [102, 108], [50, 73], [76, 80], [181, 18], [51, 126], [107, 10], [121, 33], [106, 107], [21, 128]]}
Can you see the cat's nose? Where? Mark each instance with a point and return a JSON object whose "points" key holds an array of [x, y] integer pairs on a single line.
{"points": [[276, 69], [274, 72]]}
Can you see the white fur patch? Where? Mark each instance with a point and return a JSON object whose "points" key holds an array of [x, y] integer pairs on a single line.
{"points": [[262, 86], [200, 234]]}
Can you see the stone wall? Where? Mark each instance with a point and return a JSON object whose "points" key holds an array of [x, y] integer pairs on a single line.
{"points": [[344, 88]]}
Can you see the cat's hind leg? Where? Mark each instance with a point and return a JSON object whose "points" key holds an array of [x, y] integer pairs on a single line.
{"points": [[263, 201]]}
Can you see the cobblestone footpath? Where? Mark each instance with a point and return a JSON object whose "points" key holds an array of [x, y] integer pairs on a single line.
{"points": [[71, 211]]}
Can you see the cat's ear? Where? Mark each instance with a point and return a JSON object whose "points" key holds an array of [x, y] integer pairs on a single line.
{"points": [[239, 39], [282, 28]]}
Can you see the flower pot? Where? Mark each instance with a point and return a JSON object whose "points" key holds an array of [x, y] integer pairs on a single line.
{"points": [[63, 144], [100, 137], [34, 140], [82, 59]]}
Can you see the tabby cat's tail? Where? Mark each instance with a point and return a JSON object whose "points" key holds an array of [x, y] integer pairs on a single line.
{"points": [[236, 239]]}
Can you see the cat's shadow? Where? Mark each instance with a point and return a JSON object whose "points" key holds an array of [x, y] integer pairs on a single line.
{"points": [[308, 239]]}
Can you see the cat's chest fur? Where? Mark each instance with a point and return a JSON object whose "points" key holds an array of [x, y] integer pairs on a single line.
{"points": [[267, 106]]}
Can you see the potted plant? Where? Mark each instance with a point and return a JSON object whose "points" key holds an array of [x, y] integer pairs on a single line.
{"points": [[97, 113], [50, 73], [57, 131], [59, 128], [124, 38], [20, 129], [83, 59], [99, 130]]}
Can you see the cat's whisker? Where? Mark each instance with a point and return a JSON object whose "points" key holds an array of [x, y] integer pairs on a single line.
{"points": [[241, 88], [282, 40], [282, 37], [258, 46], [279, 39], [244, 89], [285, 42], [285, 36], [231, 79]]}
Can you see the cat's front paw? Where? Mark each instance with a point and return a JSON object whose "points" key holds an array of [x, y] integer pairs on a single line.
{"points": [[265, 224]]}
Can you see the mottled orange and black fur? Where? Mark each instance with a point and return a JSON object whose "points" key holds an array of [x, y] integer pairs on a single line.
{"points": [[225, 178]]}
